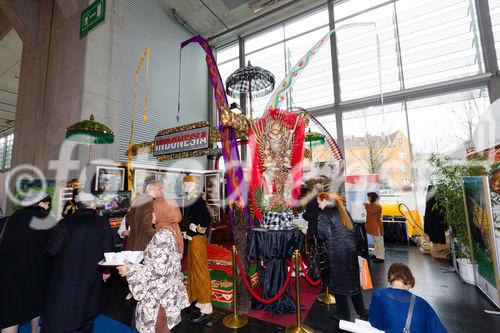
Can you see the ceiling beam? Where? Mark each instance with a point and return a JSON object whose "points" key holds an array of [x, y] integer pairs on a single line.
{"points": [[68, 7], [23, 15], [5, 25]]}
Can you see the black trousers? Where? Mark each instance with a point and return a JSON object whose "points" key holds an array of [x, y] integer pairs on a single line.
{"points": [[343, 311]]}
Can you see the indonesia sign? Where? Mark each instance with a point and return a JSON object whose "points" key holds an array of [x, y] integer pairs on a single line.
{"points": [[183, 141]]}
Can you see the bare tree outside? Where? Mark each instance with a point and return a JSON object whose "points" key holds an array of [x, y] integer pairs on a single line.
{"points": [[377, 154]]}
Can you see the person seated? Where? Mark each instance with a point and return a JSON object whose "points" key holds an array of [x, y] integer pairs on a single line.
{"points": [[157, 283], [389, 308]]}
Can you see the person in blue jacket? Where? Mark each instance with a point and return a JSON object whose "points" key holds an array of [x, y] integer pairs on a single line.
{"points": [[389, 306]]}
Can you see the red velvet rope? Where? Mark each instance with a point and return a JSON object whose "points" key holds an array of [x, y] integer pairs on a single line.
{"points": [[252, 292], [308, 278]]}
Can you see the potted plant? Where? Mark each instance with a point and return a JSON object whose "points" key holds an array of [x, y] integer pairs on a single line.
{"points": [[447, 183]]}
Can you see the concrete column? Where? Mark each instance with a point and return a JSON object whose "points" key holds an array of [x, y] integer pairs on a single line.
{"points": [[51, 80], [64, 79]]}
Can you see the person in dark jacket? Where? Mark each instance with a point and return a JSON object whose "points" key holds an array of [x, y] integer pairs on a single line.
{"points": [[318, 266], [335, 228], [311, 213], [78, 244], [434, 225], [24, 271]]}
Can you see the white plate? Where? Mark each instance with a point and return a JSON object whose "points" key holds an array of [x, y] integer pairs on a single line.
{"points": [[103, 263]]}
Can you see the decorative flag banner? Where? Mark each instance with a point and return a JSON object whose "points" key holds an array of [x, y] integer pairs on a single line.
{"points": [[236, 190], [280, 93]]}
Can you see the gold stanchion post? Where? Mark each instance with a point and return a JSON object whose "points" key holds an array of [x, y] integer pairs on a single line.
{"points": [[326, 297], [234, 320], [299, 327]]}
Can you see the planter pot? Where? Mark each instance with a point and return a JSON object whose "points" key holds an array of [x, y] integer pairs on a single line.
{"points": [[466, 269]]}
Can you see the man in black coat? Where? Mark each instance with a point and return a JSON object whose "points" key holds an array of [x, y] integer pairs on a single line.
{"points": [[78, 244], [318, 265], [24, 271]]}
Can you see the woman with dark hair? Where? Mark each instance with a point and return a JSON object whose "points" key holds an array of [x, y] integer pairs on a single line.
{"points": [[335, 229], [24, 271], [396, 308], [374, 225]]}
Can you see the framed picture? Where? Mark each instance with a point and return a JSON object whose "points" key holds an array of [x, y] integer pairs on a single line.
{"points": [[141, 177], [109, 179], [215, 212], [212, 187], [172, 184]]}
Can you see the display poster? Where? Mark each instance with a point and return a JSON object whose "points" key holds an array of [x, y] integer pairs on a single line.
{"points": [[109, 179], [141, 177], [494, 181], [172, 184], [212, 187], [478, 209], [356, 188]]}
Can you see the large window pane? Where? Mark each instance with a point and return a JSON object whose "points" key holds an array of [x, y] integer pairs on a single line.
{"points": [[310, 22], [270, 37], [228, 62], [442, 125], [8, 152], [315, 85], [376, 142], [228, 53], [358, 54], [272, 59], [2, 152], [495, 23], [352, 7], [439, 40]]}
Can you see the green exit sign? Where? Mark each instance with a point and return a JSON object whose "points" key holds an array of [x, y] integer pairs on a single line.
{"points": [[92, 16]]}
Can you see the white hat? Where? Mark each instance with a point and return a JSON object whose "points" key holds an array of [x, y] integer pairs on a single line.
{"points": [[85, 197], [33, 198]]}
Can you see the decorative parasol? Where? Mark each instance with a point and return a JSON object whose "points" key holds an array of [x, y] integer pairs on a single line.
{"points": [[90, 131], [254, 81], [315, 137]]}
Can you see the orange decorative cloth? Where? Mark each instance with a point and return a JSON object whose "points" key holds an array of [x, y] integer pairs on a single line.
{"points": [[199, 285]]}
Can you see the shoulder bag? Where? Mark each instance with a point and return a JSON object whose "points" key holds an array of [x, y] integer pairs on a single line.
{"points": [[410, 314]]}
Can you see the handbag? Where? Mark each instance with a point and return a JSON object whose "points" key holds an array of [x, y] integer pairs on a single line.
{"points": [[410, 314], [3, 229]]}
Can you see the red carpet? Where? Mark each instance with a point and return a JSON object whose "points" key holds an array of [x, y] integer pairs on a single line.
{"points": [[307, 295]]}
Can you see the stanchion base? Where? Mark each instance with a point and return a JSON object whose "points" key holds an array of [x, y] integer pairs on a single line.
{"points": [[234, 321], [299, 329], [326, 298]]}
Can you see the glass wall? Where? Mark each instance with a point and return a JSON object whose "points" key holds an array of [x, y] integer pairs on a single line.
{"points": [[495, 23], [387, 48], [228, 61], [279, 49], [439, 40], [453, 118], [360, 40]]}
